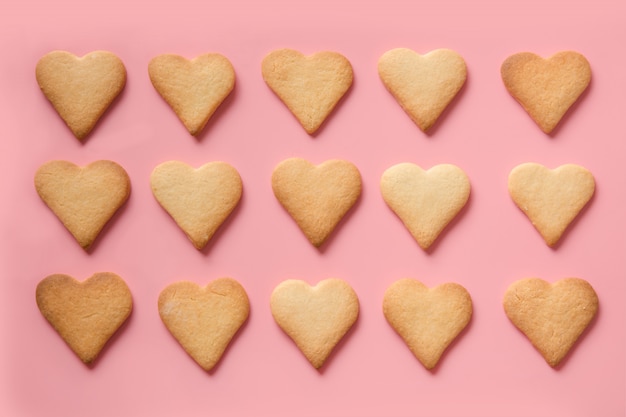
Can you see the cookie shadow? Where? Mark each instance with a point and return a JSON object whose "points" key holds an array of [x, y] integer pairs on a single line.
{"points": [[224, 356], [450, 226], [223, 227], [337, 349], [335, 110], [571, 111], [103, 118], [328, 242], [226, 104], [452, 345], [449, 108], [574, 222], [113, 340], [575, 346], [108, 226]]}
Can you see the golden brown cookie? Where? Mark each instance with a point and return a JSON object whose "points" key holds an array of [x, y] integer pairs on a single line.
{"points": [[552, 316], [546, 88], [195, 88], [551, 199], [199, 200], [316, 317], [316, 196], [425, 201], [423, 85], [81, 89], [85, 314], [427, 319], [83, 198], [310, 86], [204, 319]]}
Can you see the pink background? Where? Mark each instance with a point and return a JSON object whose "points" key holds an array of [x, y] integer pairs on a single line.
{"points": [[492, 370]]}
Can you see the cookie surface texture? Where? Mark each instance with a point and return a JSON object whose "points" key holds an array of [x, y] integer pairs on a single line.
{"points": [[423, 85], [316, 317], [85, 314], [83, 198], [552, 316], [551, 199], [425, 201], [310, 86], [204, 320], [199, 200], [81, 89], [316, 196], [546, 88], [194, 88], [427, 319]]}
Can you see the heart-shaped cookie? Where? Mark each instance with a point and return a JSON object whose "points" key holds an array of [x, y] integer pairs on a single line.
{"points": [[552, 316], [316, 317], [551, 198], [310, 86], [423, 85], [83, 198], [81, 89], [85, 314], [316, 196], [195, 88], [199, 200], [204, 320], [425, 201], [427, 319], [546, 88]]}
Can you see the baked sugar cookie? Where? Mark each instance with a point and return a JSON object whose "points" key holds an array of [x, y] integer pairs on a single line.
{"points": [[552, 316], [546, 88], [427, 319], [205, 319], [310, 86], [316, 196], [85, 314], [83, 198], [194, 88], [199, 200], [316, 317], [551, 199], [81, 89], [423, 85], [425, 201]]}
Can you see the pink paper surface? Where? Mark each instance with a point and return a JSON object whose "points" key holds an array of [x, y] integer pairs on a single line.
{"points": [[491, 370]]}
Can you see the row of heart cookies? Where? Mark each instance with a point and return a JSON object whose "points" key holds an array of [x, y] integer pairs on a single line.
{"points": [[316, 196], [82, 88], [204, 320]]}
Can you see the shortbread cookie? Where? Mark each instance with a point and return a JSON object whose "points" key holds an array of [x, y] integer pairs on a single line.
{"points": [[425, 201], [204, 320], [199, 200], [427, 319], [85, 314], [317, 197], [552, 316], [310, 86], [546, 88], [316, 317], [551, 198], [423, 85], [83, 198], [195, 88], [81, 89]]}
